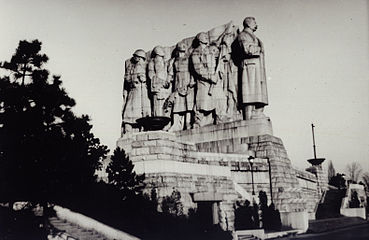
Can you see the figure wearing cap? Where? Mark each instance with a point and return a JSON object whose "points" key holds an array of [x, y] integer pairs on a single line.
{"points": [[183, 89], [254, 89], [203, 65], [159, 88], [136, 103]]}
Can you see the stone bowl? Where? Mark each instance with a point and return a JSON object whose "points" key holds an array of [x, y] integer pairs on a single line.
{"points": [[153, 123], [316, 161]]}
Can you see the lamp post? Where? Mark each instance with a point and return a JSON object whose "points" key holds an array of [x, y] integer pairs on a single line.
{"points": [[251, 161], [270, 180]]}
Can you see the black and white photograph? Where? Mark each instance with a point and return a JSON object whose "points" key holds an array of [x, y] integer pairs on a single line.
{"points": [[184, 120]]}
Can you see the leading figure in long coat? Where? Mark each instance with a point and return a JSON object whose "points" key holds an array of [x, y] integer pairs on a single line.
{"points": [[254, 89]]}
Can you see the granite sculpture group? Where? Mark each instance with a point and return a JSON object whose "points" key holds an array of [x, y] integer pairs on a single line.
{"points": [[208, 79], [213, 89]]}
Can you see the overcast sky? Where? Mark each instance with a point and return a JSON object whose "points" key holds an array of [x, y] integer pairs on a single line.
{"points": [[317, 60]]}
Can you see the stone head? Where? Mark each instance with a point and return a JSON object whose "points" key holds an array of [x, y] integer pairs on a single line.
{"points": [[250, 22], [139, 55], [181, 47], [203, 38], [158, 51]]}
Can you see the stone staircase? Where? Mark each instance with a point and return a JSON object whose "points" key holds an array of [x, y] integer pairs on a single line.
{"points": [[330, 207], [63, 230]]}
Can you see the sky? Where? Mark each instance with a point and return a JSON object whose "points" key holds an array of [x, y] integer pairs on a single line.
{"points": [[317, 60]]}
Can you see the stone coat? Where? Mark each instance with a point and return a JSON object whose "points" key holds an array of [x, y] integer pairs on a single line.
{"points": [[254, 88], [183, 84], [137, 103], [157, 73], [228, 71], [204, 69]]}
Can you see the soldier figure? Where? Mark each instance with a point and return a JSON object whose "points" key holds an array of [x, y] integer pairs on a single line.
{"points": [[217, 90], [254, 89], [228, 73], [205, 80], [157, 73], [183, 94], [136, 103]]}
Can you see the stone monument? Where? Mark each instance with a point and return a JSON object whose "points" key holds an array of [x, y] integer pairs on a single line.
{"points": [[203, 84]]}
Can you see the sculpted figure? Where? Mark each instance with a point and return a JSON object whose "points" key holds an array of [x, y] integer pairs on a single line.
{"points": [[136, 103], [204, 65], [217, 90], [254, 89], [157, 73], [228, 73], [183, 89]]}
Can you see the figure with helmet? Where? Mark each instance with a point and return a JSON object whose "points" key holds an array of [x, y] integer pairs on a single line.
{"points": [[183, 89], [159, 87], [208, 99], [254, 90], [136, 103]]}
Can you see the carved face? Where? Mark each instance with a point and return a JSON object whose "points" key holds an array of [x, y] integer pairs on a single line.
{"points": [[252, 25], [137, 59]]}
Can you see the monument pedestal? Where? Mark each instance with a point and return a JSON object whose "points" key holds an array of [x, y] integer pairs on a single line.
{"points": [[209, 164]]}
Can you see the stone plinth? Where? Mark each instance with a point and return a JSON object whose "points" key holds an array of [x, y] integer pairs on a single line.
{"points": [[213, 161], [172, 164]]}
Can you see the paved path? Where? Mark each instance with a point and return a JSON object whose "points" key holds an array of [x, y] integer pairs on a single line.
{"points": [[360, 232]]}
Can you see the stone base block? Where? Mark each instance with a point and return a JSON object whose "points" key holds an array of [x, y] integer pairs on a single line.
{"points": [[295, 220]]}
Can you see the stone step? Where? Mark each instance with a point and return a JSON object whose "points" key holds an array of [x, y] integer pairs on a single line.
{"points": [[247, 237], [71, 231]]}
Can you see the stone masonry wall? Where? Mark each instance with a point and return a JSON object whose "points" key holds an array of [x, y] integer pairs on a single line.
{"points": [[287, 195], [309, 189], [187, 185], [170, 164]]}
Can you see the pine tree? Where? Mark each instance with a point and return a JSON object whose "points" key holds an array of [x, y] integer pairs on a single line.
{"points": [[46, 151], [122, 177], [331, 170]]}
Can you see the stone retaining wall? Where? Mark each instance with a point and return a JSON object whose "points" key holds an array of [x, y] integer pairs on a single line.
{"points": [[213, 159]]}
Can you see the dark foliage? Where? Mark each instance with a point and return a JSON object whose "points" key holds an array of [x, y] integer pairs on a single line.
{"points": [[338, 181], [122, 177], [172, 204], [138, 215], [46, 152], [245, 216], [270, 216], [22, 224]]}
